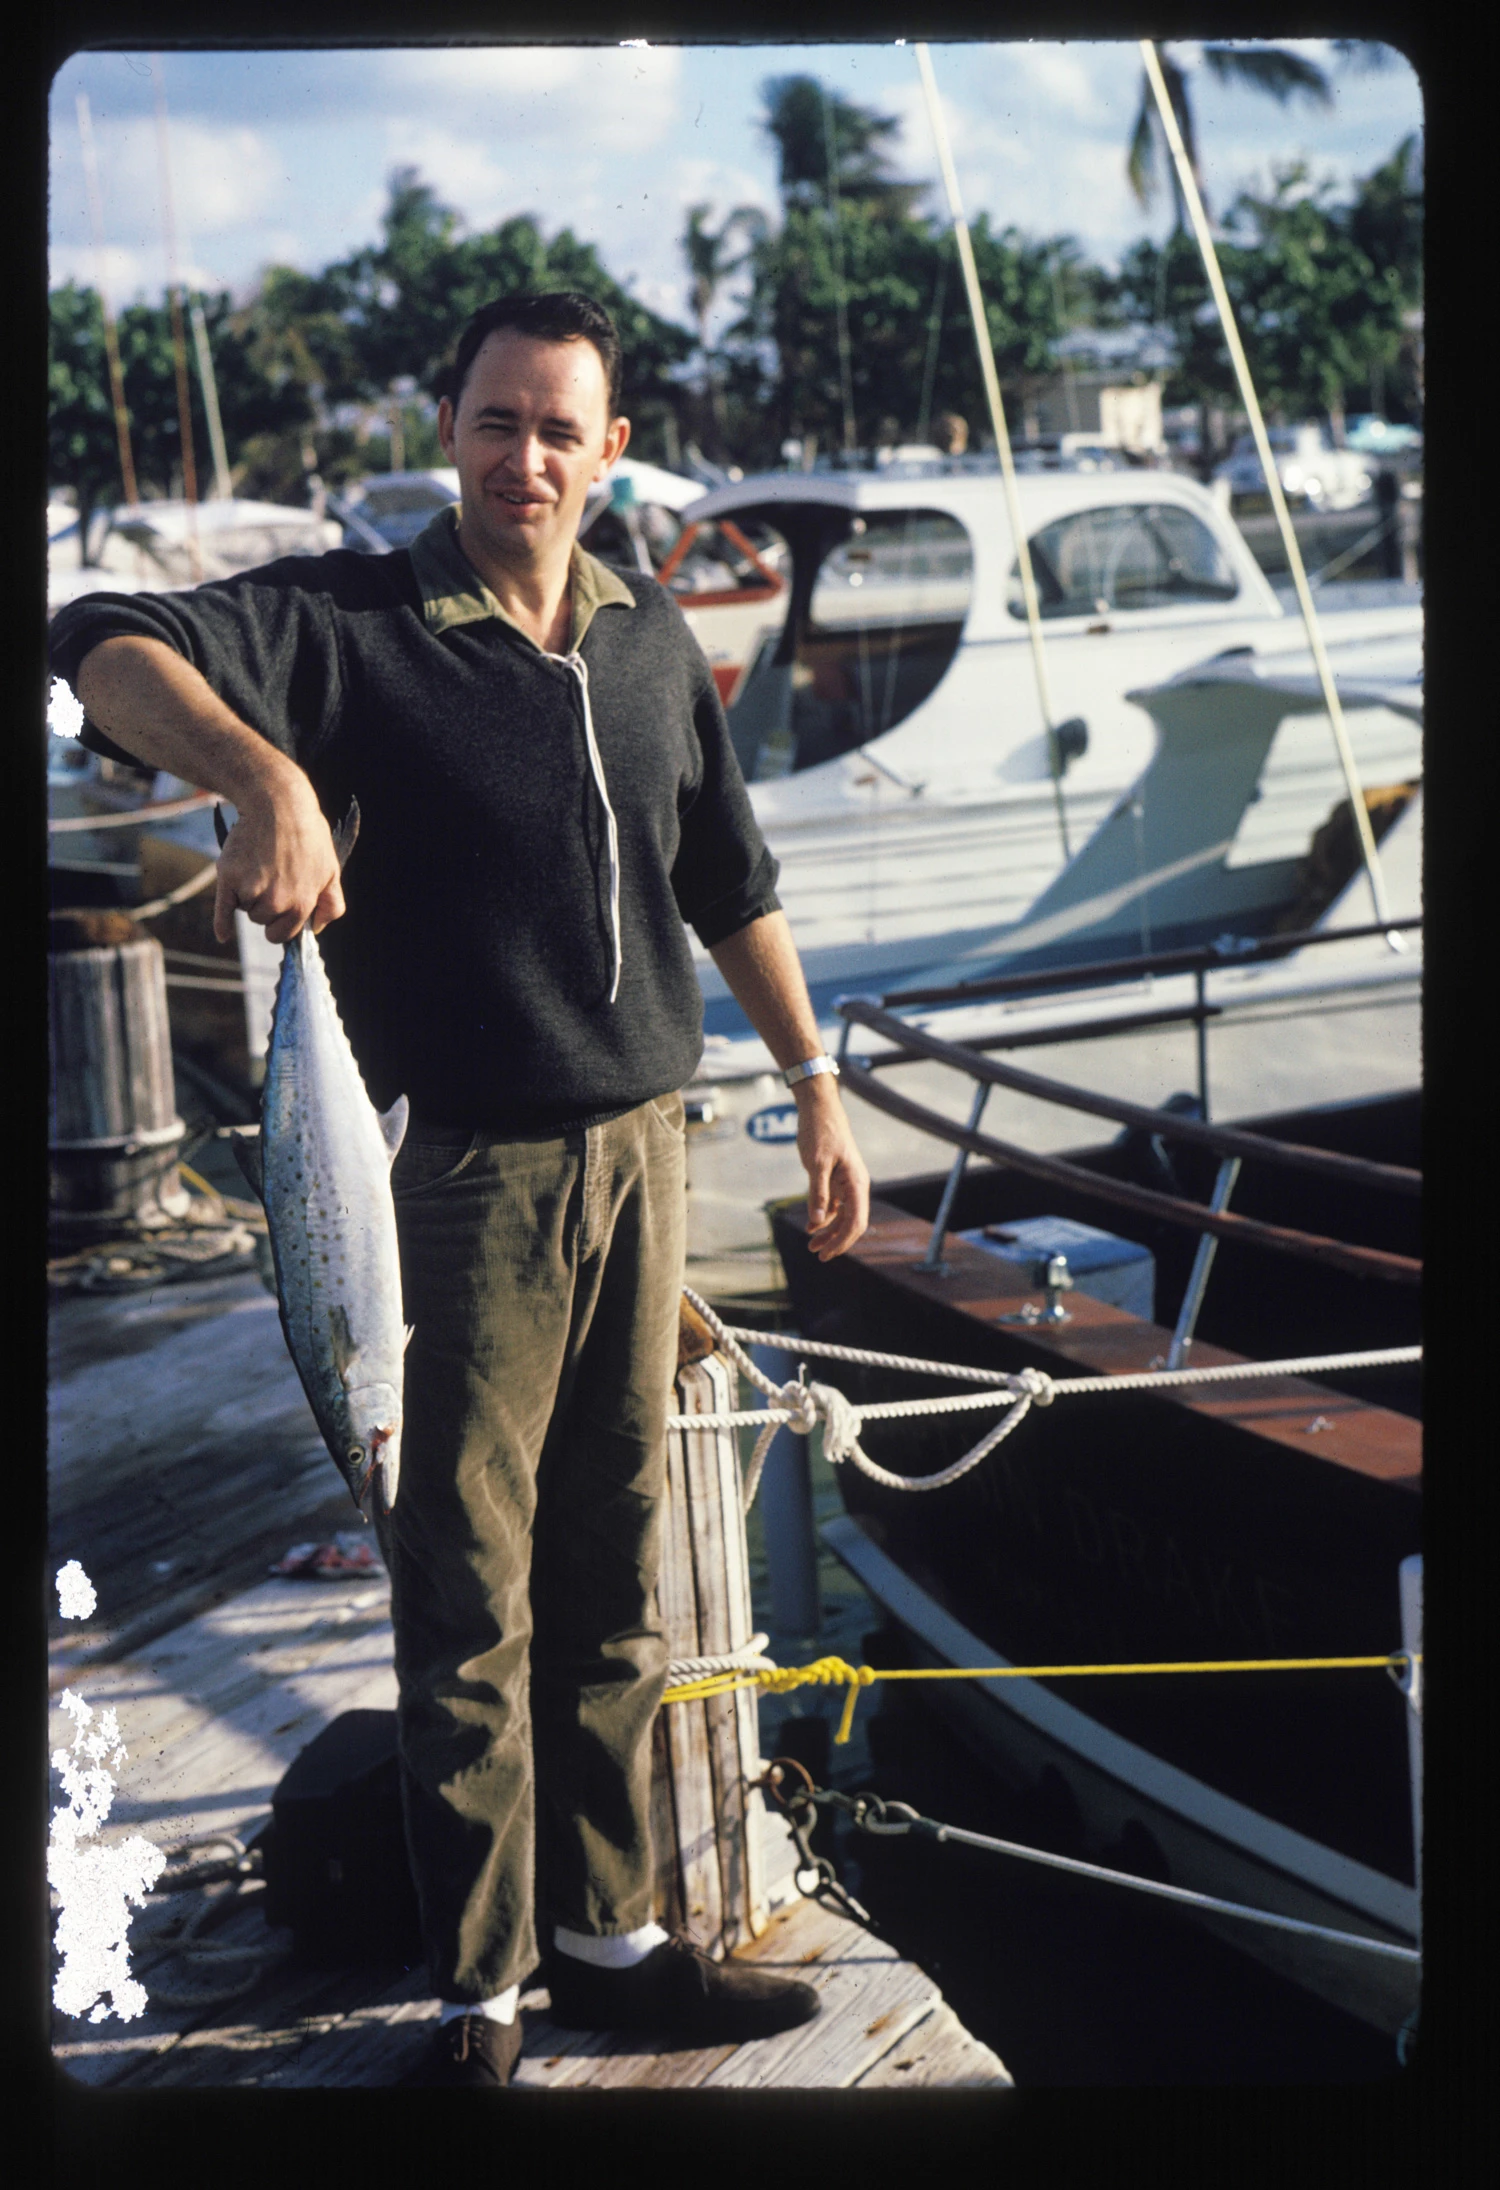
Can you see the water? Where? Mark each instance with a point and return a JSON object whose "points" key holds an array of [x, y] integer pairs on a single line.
{"points": [[1069, 1981]]}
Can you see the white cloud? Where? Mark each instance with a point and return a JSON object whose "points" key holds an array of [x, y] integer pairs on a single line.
{"points": [[1060, 76], [222, 178], [625, 101], [125, 272], [461, 168]]}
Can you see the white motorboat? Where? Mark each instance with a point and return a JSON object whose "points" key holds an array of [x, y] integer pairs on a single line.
{"points": [[882, 700], [1348, 1011], [148, 547]]}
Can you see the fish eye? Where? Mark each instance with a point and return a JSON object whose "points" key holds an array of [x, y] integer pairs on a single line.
{"points": [[356, 1452]]}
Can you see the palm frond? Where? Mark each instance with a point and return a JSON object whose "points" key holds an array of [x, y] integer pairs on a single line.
{"points": [[1364, 54], [1280, 74], [1140, 163]]}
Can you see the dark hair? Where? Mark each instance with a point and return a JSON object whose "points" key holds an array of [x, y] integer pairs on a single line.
{"points": [[558, 315]]}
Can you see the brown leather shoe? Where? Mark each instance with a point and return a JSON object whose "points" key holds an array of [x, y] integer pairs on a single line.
{"points": [[677, 1991], [470, 2052]]}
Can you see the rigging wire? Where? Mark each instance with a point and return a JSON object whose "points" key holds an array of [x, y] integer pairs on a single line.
{"points": [[1193, 199]]}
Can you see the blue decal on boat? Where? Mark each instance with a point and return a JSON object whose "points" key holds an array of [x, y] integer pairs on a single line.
{"points": [[779, 1123]]}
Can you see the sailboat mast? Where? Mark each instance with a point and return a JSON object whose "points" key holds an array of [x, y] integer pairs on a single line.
{"points": [[1194, 202], [111, 338], [222, 484], [998, 428], [179, 340]]}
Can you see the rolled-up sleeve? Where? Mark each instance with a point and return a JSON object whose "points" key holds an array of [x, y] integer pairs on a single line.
{"points": [[248, 637], [724, 875]]}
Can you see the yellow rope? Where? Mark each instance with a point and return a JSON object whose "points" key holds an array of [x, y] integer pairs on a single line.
{"points": [[826, 1672]]}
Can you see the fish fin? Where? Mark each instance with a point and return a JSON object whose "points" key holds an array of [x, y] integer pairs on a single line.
{"points": [[220, 831], [345, 1352], [245, 1142], [411, 1332], [393, 1125], [346, 832]]}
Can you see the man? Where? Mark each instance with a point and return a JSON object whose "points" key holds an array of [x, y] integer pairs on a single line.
{"points": [[547, 792]]}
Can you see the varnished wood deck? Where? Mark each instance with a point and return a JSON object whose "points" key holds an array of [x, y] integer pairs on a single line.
{"points": [[213, 1710]]}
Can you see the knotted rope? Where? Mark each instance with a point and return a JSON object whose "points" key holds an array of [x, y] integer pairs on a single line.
{"points": [[802, 1407]]}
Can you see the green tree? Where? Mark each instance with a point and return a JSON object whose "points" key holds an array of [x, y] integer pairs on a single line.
{"points": [[1322, 314], [827, 145], [783, 372], [82, 447], [396, 308], [712, 256], [1320, 289]]}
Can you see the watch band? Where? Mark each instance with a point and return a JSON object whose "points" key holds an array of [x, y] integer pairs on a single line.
{"points": [[810, 1069]]}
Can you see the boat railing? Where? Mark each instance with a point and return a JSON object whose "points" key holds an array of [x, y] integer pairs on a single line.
{"points": [[1232, 1145], [1200, 959]]}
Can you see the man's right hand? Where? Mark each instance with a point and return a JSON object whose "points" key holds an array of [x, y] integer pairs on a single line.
{"points": [[279, 866]]}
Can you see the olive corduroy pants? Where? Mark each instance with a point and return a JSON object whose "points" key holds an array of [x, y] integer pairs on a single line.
{"points": [[541, 1279]]}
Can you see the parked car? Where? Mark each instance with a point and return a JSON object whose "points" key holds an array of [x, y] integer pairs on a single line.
{"points": [[1310, 468], [1373, 436], [390, 508]]}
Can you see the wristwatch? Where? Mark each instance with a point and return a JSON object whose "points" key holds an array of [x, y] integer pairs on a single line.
{"points": [[811, 1069]]}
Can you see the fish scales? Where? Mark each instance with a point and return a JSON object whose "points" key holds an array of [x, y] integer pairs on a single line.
{"points": [[325, 1158]]}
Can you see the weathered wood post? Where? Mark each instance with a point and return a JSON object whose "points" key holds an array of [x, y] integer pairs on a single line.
{"points": [[113, 1131], [707, 1817]]}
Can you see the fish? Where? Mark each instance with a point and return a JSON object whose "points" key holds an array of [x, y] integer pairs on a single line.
{"points": [[321, 1164]]}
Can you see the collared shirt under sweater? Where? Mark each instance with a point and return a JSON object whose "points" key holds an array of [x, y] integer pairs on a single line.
{"points": [[474, 964]]}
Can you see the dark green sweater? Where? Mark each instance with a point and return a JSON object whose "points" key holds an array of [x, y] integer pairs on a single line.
{"points": [[474, 963]]}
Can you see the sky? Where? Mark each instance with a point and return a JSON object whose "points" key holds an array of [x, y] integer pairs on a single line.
{"points": [[283, 156]]}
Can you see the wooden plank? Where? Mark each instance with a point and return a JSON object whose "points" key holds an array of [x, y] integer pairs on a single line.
{"points": [[687, 1726], [555, 2059], [716, 1529], [871, 1998], [168, 1491], [741, 1805], [668, 1907], [938, 2051]]}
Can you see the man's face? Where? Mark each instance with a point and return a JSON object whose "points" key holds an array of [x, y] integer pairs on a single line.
{"points": [[531, 433]]}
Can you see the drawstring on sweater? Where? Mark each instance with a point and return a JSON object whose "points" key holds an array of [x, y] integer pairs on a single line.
{"points": [[577, 664]]}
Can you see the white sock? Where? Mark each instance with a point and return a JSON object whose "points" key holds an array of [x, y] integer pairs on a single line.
{"points": [[502, 2009], [622, 1951]]}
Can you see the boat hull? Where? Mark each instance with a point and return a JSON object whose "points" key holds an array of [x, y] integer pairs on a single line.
{"points": [[1261, 1521]]}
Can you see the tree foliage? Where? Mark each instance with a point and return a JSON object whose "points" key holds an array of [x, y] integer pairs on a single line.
{"points": [[1321, 290], [1325, 289]]}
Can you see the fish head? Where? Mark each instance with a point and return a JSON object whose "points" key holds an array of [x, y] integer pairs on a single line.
{"points": [[374, 1451]]}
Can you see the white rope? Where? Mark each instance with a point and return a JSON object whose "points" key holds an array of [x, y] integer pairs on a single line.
{"points": [[749, 1658], [802, 1406]]}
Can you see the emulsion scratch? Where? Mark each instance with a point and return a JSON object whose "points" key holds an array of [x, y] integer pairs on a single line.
{"points": [[94, 1886]]}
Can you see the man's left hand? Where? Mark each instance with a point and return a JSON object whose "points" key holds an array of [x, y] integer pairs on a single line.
{"points": [[838, 1184]]}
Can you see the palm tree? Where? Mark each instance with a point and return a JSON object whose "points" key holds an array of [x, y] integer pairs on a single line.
{"points": [[711, 259], [1274, 70], [814, 129]]}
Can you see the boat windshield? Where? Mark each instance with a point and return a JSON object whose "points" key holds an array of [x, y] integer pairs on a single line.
{"points": [[1126, 556], [878, 610]]}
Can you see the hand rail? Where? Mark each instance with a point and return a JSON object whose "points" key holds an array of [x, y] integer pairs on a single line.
{"points": [[1204, 958], [1223, 1140], [1078, 1030], [1168, 1208]]}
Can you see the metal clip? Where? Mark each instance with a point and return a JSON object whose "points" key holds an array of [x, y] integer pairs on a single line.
{"points": [[1053, 1274]]}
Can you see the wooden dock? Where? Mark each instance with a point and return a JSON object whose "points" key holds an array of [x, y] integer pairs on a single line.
{"points": [[213, 1708]]}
